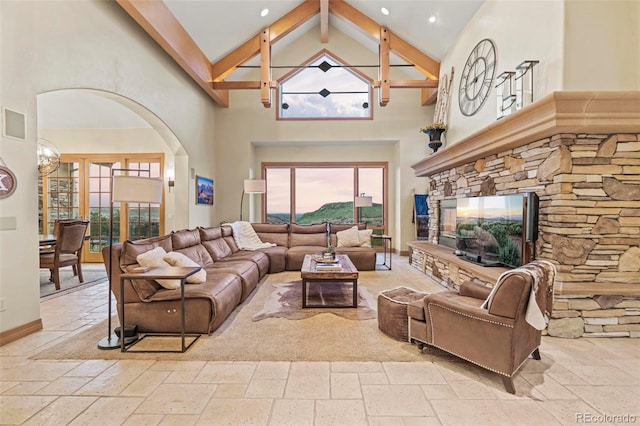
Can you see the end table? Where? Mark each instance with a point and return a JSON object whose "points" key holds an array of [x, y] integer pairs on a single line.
{"points": [[173, 272], [386, 239]]}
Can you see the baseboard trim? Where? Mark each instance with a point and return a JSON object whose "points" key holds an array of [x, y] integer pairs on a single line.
{"points": [[20, 332]]}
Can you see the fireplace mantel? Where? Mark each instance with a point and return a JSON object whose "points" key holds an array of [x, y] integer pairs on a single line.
{"points": [[556, 113]]}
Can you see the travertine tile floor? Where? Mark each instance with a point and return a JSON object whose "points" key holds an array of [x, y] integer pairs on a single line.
{"points": [[577, 381]]}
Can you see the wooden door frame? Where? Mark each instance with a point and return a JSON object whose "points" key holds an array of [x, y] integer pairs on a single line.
{"points": [[83, 190]]}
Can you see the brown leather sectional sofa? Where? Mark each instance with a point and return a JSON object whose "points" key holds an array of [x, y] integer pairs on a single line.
{"points": [[232, 274]]}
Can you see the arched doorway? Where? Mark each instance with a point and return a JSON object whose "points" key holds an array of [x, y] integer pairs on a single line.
{"points": [[95, 132]]}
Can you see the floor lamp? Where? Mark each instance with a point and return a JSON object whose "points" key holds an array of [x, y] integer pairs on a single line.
{"points": [[252, 186], [127, 189], [362, 201]]}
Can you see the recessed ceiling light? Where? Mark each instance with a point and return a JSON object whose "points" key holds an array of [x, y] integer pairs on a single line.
{"points": [[432, 19], [384, 10], [264, 12]]}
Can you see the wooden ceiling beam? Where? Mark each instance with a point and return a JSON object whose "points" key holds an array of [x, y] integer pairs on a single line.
{"points": [[227, 65], [294, 19], [265, 68], [235, 85], [158, 21], [424, 63], [341, 9], [277, 30], [428, 96], [409, 84], [239, 85], [384, 92], [324, 21]]}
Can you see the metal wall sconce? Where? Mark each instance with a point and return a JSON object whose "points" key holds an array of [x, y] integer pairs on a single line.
{"points": [[524, 84], [170, 181], [505, 92]]}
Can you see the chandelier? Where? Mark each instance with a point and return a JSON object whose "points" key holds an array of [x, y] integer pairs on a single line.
{"points": [[48, 157]]}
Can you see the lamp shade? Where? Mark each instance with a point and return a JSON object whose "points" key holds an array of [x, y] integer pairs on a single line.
{"points": [[364, 201], [255, 186], [136, 189]]}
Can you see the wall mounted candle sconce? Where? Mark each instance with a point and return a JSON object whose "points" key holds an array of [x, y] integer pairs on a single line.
{"points": [[505, 92], [525, 90]]}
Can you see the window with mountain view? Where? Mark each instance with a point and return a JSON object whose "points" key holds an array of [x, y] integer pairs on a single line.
{"points": [[324, 88], [313, 193]]}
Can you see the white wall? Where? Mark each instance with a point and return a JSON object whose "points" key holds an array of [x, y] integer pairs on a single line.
{"points": [[602, 45], [520, 30], [91, 44], [391, 136], [581, 45]]}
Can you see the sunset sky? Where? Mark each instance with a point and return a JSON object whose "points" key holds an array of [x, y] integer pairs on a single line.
{"points": [[318, 186], [508, 206]]}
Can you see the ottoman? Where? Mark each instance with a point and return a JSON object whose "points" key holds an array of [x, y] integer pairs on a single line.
{"points": [[392, 311]]}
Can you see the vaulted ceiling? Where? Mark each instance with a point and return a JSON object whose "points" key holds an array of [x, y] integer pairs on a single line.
{"points": [[218, 27], [210, 39]]}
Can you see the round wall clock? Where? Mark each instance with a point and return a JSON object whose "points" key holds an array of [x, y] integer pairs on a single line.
{"points": [[477, 77]]}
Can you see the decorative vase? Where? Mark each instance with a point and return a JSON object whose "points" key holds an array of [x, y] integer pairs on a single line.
{"points": [[434, 138]]}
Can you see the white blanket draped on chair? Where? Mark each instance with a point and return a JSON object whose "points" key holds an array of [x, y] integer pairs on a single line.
{"points": [[246, 237], [538, 270]]}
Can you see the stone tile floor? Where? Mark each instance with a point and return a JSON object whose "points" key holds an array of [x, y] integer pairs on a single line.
{"points": [[577, 381]]}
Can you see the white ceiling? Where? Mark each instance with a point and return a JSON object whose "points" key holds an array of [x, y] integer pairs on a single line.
{"points": [[220, 26]]}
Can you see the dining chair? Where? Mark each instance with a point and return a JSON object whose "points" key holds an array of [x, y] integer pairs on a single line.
{"points": [[67, 250], [51, 248]]}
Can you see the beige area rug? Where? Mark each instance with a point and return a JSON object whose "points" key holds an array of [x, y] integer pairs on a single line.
{"points": [[322, 337], [91, 274], [286, 301]]}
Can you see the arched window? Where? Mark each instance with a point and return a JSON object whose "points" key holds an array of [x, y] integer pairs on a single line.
{"points": [[324, 88]]}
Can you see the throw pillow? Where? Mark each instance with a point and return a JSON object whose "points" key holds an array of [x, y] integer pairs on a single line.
{"points": [[154, 259], [178, 259], [364, 236], [348, 237]]}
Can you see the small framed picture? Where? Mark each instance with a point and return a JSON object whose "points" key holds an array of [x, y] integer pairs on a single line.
{"points": [[204, 190]]}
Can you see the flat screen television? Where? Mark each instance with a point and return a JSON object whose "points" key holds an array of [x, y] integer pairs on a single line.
{"points": [[490, 230]]}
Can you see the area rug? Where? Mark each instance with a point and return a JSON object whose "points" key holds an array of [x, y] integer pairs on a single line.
{"points": [[68, 282], [323, 337], [286, 301]]}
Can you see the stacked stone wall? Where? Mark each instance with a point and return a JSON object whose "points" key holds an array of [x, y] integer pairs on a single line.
{"points": [[589, 221]]}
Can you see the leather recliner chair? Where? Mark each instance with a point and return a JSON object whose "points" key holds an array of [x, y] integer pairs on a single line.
{"points": [[489, 327]]}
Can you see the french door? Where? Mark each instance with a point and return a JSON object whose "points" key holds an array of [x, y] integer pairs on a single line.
{"points": [[89, 188]]}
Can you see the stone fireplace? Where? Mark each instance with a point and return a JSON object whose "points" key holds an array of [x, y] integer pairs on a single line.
{"points": [[580, 153]]}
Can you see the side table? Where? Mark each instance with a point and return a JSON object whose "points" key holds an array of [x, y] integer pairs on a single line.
{"points": [[386, 239], [173, 272]]}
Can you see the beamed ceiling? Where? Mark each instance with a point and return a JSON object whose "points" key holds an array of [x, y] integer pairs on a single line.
{"points": [[172, 23]]}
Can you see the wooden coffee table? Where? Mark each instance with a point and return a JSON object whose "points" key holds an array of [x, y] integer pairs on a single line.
{"points": [[309, 274]]}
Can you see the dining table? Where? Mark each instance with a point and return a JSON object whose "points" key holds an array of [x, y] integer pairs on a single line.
{"points": [[50, 239]]}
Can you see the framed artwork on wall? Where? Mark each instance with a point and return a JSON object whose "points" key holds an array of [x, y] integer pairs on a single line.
{"points": [[204, 190]]}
